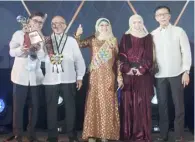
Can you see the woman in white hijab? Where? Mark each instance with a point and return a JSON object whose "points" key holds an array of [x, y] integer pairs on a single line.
{"points": [[136, 56], [101, 113]]}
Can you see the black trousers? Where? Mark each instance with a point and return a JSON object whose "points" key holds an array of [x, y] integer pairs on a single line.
{"points": [[68, 92], [20, 94], [177, 92]]}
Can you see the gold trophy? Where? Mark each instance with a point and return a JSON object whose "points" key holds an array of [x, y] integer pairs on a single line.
{"points": [[32, 38]]}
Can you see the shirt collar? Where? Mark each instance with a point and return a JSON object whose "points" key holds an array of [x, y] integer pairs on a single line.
{"points": [[58, 35], [165, 28]]}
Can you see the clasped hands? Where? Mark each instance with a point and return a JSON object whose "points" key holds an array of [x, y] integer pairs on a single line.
{"points": [[134, 71]]}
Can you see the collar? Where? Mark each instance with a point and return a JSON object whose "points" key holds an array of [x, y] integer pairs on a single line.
{"points": [[165, 28], [58, 35]]}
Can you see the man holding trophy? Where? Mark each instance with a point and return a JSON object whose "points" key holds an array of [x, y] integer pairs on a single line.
{"points": [[27, 47]]}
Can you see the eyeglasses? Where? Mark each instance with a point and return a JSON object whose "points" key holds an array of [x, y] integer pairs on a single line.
{"points": [[162, 14], [57, 24], [37, 21]]}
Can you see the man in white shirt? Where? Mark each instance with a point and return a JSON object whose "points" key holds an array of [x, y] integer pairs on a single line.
{"points": [[65, 68], [173, 56], [26, 75]]}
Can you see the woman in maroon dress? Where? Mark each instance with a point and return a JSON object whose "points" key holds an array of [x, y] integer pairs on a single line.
{"points": [[136, 56]]}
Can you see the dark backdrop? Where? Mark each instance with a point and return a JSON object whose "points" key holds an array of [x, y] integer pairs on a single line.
{"points": [[118, 12]]}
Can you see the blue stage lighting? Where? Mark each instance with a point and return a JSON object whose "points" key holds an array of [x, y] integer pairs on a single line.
{"points": [[2, 105]]}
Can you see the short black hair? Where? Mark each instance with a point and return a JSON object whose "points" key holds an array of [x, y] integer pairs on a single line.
{"points": [[161, 7], [37, 14]]}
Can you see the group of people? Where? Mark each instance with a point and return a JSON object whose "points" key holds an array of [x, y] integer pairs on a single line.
{"points": [[133, 65]]}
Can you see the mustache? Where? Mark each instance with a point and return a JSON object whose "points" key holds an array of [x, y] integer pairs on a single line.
{"points": [[54, 27]]}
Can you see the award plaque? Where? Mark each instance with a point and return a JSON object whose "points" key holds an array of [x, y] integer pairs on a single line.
{"points": [[35, 37]]}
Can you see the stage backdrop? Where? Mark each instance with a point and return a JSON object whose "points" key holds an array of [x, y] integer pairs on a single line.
{"points": [[118, 12]]}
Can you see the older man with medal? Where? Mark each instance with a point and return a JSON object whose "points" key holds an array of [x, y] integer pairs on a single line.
{"points": [[65, 68], [27, 47]]}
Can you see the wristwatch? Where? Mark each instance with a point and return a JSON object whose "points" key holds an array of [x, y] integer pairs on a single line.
{"points": [[187, 71]]}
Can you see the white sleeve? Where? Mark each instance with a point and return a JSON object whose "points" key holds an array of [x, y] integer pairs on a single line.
{"points": [[78, 60], [15, 46], [185, 50]]}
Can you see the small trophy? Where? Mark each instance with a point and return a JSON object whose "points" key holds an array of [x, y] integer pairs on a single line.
{"points": [[32, 38]]}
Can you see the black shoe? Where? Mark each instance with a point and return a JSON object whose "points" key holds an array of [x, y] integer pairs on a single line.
{"points": [[32, 139], [161, 139], [54, 139], [73, 139], [179, 140]]}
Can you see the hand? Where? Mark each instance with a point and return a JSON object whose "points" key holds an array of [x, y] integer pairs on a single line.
{"points": [[137, 72], [47, 38], [130, 72], [79, 30], [185, 79], [79, 84], [36, 47], [120, 84], [25, 49]]}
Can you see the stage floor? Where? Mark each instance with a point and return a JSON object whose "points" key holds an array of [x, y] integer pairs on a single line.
{"points": [[42, 136]]}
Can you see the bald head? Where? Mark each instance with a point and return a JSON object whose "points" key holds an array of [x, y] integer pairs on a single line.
{"points": [[58, 24], [58, 19]]}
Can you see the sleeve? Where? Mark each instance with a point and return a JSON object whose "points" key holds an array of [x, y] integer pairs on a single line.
{"points": [[186, 51], [124, 64], [119, 74], [78, 60], [15, 46], [85, 42], [146, 62]]}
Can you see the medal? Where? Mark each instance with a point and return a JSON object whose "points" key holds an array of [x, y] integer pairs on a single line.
{"points": [[56, 59], [57, 56]]}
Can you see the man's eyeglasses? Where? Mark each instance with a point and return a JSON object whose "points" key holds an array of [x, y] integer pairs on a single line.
{"points": [[57, 24], [162, 14], [37, 21]]}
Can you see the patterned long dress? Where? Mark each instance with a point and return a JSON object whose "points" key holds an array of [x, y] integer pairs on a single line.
{"points": [[101, 110]]}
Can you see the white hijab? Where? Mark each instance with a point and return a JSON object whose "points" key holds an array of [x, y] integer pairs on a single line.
{"points": [[137, 33], [103, 36]]}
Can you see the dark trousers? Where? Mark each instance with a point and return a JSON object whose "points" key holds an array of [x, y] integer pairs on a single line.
{"points": [[20, 94], [68, 92], [177, 92]]}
